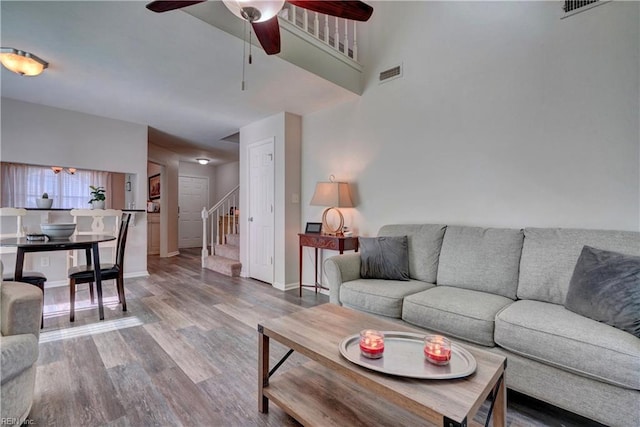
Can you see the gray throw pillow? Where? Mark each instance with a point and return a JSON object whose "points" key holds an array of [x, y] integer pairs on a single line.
{"points": [[384, 257], [605, 286]]}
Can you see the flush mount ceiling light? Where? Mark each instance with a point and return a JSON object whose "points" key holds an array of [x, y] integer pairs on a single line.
{"points": [[21, 62], [203, 161]]}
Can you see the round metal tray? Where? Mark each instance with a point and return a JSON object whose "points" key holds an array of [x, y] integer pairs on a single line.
{"points": [[404, 356]]}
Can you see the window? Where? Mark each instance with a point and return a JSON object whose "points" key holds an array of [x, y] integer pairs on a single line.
{"points": [[23, 184]]}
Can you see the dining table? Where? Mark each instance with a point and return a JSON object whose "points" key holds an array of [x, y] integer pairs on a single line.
{"points": [[88, 242]]}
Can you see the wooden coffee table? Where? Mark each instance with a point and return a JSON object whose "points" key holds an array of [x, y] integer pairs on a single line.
{"points": [[331, 391]]}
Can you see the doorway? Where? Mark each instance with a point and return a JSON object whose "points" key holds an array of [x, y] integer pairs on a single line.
{"points": [[193, 195]]}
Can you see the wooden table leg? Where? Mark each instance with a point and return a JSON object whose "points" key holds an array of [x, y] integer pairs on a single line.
{"points": [[315, 281], [263, 370], [98, 277], [300, 269], [500, 405], [17, 273]]}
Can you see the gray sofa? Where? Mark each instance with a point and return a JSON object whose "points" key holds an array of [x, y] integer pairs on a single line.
{"points": [[20, 314], [504, 290]]}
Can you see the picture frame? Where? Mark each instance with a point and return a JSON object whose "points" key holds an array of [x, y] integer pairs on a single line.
{"points": [[154, 187], [313, 228]]}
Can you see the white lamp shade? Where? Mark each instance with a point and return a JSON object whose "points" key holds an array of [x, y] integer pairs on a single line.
{"points": [[20, 62], [334, 194], [268, 8]]}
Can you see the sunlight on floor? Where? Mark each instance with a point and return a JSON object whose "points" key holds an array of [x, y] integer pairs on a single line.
{"points": [[91, 329]]}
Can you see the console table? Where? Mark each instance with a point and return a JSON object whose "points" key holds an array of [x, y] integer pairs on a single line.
{"points": [[324, 241]]}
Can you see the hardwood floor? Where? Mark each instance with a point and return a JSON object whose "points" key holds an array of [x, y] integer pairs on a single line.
{"points": [[185, 354]]}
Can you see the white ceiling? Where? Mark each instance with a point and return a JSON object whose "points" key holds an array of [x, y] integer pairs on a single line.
{"points": [[170, 71]]}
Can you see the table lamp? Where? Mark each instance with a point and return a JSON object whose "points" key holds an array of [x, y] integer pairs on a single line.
{"points": [[335, 195]]}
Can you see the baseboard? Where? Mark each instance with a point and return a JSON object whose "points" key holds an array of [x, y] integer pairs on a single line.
{"points": [[134, 274], [170, 254], [290, 286], [55, 283]]}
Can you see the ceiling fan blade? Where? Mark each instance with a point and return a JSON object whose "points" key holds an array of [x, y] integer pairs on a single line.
{"points": [[354, 10], [165, 6], [268, 34]]}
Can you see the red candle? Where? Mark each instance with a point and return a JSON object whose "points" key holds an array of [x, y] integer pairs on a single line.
{"points": [[371, 343], [437, 349]]}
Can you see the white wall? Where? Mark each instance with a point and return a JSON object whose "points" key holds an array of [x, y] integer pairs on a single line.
{"points": [[505, 116], [227, 178], [285, 128], [41, 135]]}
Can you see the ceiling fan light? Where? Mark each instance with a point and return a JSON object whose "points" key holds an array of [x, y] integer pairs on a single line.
{"points": [[267, 8], [20, 62], [203, 161]]}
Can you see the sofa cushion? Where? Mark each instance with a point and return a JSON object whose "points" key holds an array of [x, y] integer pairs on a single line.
{"points": [[377, 296], [19, 352], [605, 286], [481, 259], [461, 313], [425, 241], [549, 256], [556, 336], [385, 257]]}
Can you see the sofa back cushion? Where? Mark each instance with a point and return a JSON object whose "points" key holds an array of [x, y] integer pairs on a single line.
{"points": [[481, 259], [549, 256], [425, 241]]}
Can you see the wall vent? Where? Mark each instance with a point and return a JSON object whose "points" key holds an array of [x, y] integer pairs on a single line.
{"points": [[390, 74], [572, 7]]}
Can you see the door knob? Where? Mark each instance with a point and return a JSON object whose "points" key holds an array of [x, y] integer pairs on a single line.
{"points": [[250, 219]]}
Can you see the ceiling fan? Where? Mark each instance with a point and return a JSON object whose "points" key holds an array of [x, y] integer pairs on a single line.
{"points": [[262, 14]]}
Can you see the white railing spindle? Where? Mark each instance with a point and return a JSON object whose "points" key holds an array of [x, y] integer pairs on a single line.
{"points": [[326, 29], [336, 37], [305, 20], [346, 37], [355, 42], [316, 25]]}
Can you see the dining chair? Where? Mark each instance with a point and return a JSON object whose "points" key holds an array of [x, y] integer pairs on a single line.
{"points": [[94, 221], [111, 271], [31, 277]]}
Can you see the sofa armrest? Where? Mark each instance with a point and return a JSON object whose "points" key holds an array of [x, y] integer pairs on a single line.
{"points": [[19, 353], [340, 269], [20, 309]]}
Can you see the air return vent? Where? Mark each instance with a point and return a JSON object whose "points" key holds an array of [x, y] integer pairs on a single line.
{"points": [[390, 74], [571, 7]]}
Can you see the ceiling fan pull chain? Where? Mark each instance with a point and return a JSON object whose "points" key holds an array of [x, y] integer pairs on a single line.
{"points": [[250, 58], [244, 49]]}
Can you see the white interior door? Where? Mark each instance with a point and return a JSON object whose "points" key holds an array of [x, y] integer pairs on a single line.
{"points": [[261, 215], [193, 195]]}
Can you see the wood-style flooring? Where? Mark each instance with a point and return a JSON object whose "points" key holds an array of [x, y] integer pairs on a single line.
{"points": [[185, 354]]}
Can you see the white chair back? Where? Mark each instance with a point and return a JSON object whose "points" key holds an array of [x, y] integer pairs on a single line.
{"points": [[95, 221], [6, 226]]}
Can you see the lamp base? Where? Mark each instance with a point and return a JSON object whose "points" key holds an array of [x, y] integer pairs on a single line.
{"points": [[327, 229]]}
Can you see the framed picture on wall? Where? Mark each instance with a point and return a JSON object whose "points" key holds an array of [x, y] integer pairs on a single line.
{"points": [[154, 187]]}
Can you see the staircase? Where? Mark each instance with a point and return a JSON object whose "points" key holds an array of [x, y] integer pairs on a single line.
{"points": [[226, 257], [220, 231]]}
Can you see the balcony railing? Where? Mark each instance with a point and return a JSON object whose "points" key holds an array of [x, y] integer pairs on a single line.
{"points": [[337, 33]]}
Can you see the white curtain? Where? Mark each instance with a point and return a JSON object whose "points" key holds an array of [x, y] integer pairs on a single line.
{"points": [[23, 184]]}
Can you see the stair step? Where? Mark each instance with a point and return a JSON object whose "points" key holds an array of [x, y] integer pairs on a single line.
{"points": [[226, 266], [228, 251], [233, 239]]}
